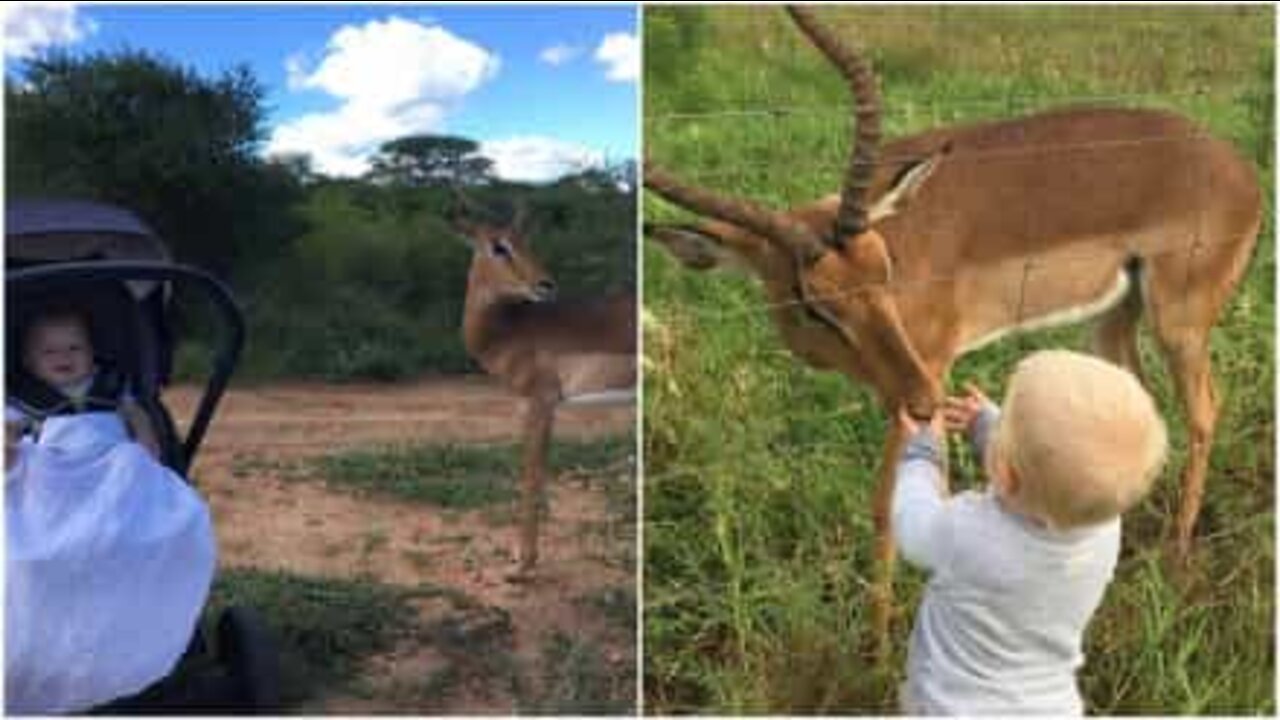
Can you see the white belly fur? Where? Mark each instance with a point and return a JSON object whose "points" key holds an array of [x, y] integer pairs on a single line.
{"points": [[606, 397], [1066, 316], [591, 375]]}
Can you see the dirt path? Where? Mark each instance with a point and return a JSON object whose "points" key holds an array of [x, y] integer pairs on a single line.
{"points": [[267, 522], [312, 418]]}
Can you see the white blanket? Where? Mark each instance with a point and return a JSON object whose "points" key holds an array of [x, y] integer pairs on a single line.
{"points": [[108, 560]]}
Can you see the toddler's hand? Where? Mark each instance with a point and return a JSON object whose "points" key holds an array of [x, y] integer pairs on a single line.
{"points": [[910, 425], [960, 411]]}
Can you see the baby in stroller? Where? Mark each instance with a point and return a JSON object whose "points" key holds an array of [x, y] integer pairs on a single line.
{"points": [[58, 352], [109, 553]]}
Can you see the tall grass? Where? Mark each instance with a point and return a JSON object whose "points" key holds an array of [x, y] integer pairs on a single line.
{"points": [[759, 471]]}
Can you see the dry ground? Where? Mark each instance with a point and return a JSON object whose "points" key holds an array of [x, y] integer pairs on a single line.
{"points": [[271, 522]]}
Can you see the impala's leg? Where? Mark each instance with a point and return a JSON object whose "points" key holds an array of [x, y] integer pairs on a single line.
{"points": [[539, 418], [1190, 366], [1182, 314], [885, 550], [1183, 334], [1116, 335]]}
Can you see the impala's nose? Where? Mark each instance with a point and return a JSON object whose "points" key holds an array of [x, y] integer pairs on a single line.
{"points": [[545, 290]]}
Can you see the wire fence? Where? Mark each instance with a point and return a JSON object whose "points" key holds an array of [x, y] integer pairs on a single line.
{"points": [[891, 159], [937, 107]]}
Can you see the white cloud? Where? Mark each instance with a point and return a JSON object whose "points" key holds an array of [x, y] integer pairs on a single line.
{"points": [[620, 53], [393, 78], [533, 158], [30, 27], [398, 61], [559, 54]]}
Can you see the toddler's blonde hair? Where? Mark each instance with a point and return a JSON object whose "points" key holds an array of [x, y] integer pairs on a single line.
{"points": [[1083, 437]]}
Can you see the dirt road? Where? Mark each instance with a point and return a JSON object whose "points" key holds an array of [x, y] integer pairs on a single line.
{"points": [[268, 522]]}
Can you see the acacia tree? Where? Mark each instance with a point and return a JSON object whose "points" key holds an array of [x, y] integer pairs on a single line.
{"points": [[430, 160]]}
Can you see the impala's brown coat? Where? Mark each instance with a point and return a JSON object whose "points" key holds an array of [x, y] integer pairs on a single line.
{"points": [[542, 348]]}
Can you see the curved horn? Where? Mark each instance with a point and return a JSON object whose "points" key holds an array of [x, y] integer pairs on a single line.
{"points": [[852, 219], [780, 229]]}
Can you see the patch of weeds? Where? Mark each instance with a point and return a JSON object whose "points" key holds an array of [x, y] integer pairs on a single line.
{"points": [[243, 466], [475, 643], [579, 679], [617, 604], [449, 476], [620, 495], [323, 628], [459, 477]]}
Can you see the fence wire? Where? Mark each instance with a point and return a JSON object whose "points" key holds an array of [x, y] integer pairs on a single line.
{"points": [[911, 106]]}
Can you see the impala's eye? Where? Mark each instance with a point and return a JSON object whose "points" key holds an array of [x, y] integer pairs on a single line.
{"points": [[500, 249]]}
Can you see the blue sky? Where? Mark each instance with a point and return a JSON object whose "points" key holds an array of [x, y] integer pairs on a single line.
{"points": [[545, 89]]}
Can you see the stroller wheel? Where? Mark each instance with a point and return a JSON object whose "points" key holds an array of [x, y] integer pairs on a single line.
{"points": [[248, 653]]}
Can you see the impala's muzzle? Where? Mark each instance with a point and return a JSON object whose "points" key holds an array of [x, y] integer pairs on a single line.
{"points": [[544, 291]]}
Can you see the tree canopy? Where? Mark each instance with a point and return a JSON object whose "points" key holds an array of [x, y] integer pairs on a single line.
{"points": [[135, 129], [430, 160]]}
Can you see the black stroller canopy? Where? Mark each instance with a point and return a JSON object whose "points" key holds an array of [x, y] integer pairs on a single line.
{"points": [[40, 231]]}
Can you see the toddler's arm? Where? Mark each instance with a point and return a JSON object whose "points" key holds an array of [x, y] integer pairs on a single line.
{"points": [[918, 492], [980, 430]]}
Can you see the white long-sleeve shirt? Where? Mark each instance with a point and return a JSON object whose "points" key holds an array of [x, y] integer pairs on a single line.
{"points": [[1000, 628]]}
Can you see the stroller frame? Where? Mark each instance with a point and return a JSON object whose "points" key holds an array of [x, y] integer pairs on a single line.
{"points": [[245, 650]]}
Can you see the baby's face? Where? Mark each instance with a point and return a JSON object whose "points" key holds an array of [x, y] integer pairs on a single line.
{"points": [[60, 353]]}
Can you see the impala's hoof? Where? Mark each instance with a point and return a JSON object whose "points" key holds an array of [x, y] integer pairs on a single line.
{"points": [[1178, 561]]}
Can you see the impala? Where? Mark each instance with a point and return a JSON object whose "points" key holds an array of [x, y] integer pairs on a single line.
{"points": [[940, 242], [549, 351]]}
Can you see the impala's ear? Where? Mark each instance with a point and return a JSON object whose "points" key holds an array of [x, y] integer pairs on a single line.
{"points": [[904, 187], [463, 230], [692, 245]]}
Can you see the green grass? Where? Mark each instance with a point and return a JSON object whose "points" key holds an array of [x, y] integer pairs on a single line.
{"points": [[458, 476], [324, 627], [759, 471]]}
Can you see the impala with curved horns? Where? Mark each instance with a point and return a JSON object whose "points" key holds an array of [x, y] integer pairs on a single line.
{"points": [[962, 234], [549, 350]]}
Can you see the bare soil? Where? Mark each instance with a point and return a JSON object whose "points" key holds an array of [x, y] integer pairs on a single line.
{"points": [[268, 522]]}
